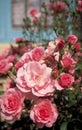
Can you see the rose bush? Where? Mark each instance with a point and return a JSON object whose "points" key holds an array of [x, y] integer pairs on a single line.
{"points": [[45, 87]]}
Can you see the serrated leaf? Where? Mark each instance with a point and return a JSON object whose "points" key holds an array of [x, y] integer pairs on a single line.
{"points": [[64, 126]]}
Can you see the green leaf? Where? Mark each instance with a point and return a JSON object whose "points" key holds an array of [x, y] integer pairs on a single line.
{"points": [[63, 126]]}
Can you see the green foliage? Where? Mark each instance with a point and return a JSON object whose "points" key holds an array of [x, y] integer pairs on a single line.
{"points": [[63, 126]]}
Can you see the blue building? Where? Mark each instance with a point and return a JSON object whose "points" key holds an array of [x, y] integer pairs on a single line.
{"points": [[11, 14], [7, 31]]}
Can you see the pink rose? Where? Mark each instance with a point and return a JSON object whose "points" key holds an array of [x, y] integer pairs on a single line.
{"points": [[55, 46], [71, 70], [61, 43], [77, 46], [11, 105], [36, 78], [58, 7], [34, 12], [50, 61], [79, 6], [4, 54], [67, 61], [18, 65], [37, 53], [72, 39], [35, 20], [11, 58], [66, 80], [4, 66], [44, 113], [24, 59]]}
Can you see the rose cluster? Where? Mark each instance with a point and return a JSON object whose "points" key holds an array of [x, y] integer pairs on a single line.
{"points": [[79, 6], [39, 73]]}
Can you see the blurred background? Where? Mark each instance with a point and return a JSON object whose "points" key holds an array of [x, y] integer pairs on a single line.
{"points": [[12, 13]]}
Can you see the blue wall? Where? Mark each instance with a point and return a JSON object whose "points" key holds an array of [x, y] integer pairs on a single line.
{"points": [[7, 32]]}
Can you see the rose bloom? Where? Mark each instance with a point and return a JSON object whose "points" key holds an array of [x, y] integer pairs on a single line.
{"points": [[4, 54], [11, 58], [36, 78], [66, 80], [71, 70], [5, 66], [79, 54], [18, 65], [37, 53], [77, 46], [56, 45], [72, 39], [44, 113], [24, 59], [59, 42], [79, 6], [11, 105], [34, 54], [67, 61], [58, 7], [34, 12], [35, 20], [50, 61]]}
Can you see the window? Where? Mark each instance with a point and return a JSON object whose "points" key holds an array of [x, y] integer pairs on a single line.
{"points": [[20, 8], [18, 12]]}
